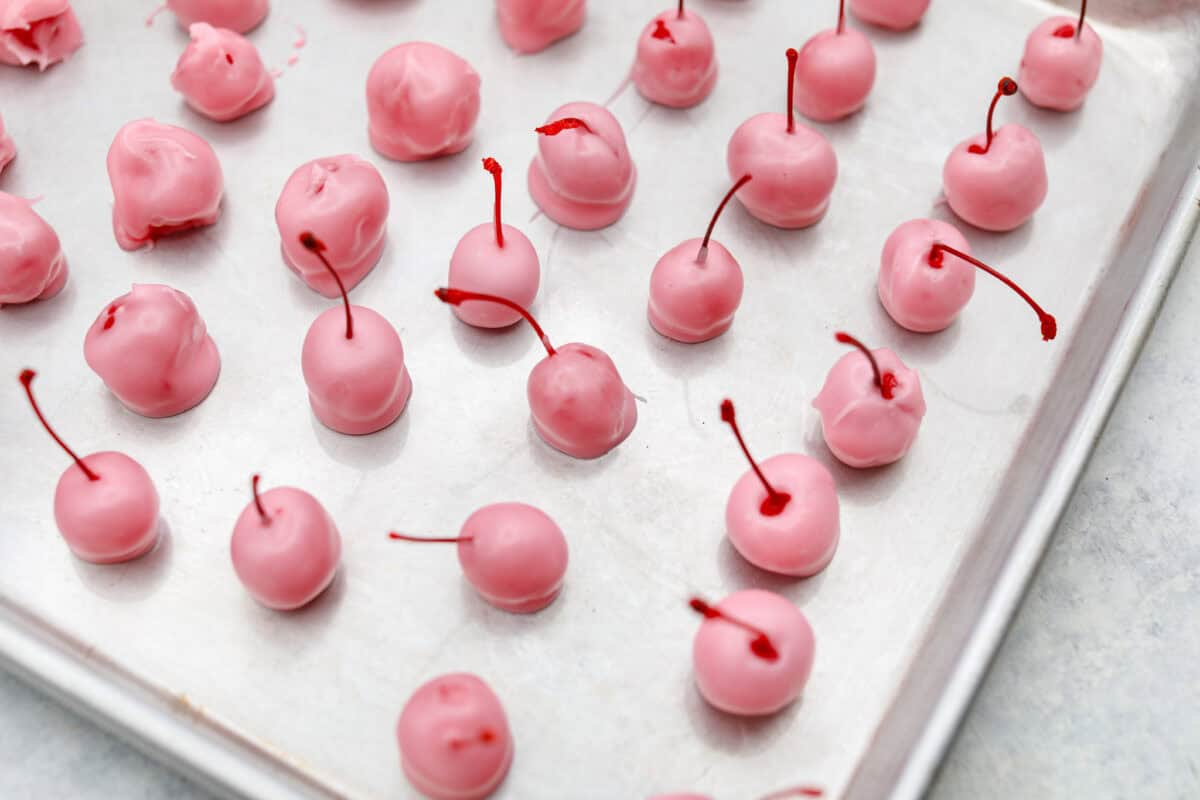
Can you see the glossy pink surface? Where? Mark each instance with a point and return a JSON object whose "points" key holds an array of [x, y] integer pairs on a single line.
{"points": [[529, 26], [916, 295], [359, 385], [1001, 189], [898, 15], [454, 739], [164, 180], [678, 67], [579, 403], [221, 75], [478, 264], [32, 264], [8, 150], [153, 351], [860, 427], [285, 562], [583, 179], [109, 520], [733, 677], [236, 15], [794, 173], [834, 74], [516, 558], [344, 202], [691, 300], [42, 32], [1057, 72], [422, 102]]}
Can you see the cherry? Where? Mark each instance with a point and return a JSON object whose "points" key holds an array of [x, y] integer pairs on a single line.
{"points": [[317, 248], [1066, 31], [776, 501], [493, 166], [458, 296], [761, 645], [560, 125], [702, 254], [886, 381], [1049, 324], [1006, 88], [26, 378]]}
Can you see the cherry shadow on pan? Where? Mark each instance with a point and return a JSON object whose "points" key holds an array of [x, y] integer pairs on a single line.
{"points": [[495, 347], [737, 571], [295, 631], [369, 451], [869, 486], [502, 623], [563, 467], [686, 361], [21, 319], [131, 581], [224, 134], [734, 734]]}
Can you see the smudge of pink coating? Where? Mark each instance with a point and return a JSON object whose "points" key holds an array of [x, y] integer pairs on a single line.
{"points": [[422, 102], [860, 427], [236, 15], [578, 402], [479, 265], [42, 32], [799, 541], [454, 739], [8, 150], [293, 59], [834, 74], [343, 200], [731, 677], [1001, 189], [153, 14], [1057, 72], [301, 37], [679, 71], [359, 385], [583, 178], [915, 294], [221, 75], [165, 180], [794, 173], [285, 563], [529, 26], [899, 15], [693, 300], [516, 557], [32, 264], [153, 351], [109, 520]]}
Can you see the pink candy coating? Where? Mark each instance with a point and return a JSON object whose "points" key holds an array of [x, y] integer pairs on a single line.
{"points": [[898, 15], [8, 150], [42, 32], [583, 179], [678, 69], [834, 74], [731, 676], [516, 557], [221, 75], [579, 403], [153, 351], [454, 739], [236, 15], [164, 180], [918, 296], [794, 173], [286, 561], [1001, 189], [422, 101], [111, 519], [692, 300], [480, 265], [529, 26], [801, 539], [1057, 72], [860, 427], [344, 202], [32, 264], [358, 385]]}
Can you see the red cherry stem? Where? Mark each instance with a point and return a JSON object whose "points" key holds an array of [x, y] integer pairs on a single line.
{"points": [[457, 296], [799, 791], [1007, 87], [776, 501], [262, 512], [681, 9], [712, 223], [761, 646], [564, 124], [317, 248], [792, 57], [493, 166], [26, 378], [885, 381], [1049, 324], [1078, 28], [841, 28], [404, 537]]}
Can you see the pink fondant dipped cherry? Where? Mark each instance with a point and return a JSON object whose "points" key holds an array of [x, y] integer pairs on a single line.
{"points": [[512, 553], [355, 372], [923, 291], [835, 72], [42, 32], [1061, 62], [455, 743], [529, 26], [871, 406], [899, 15], [753, 653], [153, 352], [105, 504], [582, 176], [794, 167], [345, 197], [577, 400], [696, 287], [285, 547], [676, 63], [32, 264], [996, 181], [236, 15], [8, 150], [498, 259], [221, 75]]}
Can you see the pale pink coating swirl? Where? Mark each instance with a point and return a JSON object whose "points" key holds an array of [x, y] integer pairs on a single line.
{"points": [[42, 32], [221, 75], [676, 63]]}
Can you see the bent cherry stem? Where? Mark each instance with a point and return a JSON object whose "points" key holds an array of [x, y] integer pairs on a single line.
{"points": [[564, 124], [317, 248], [404, 537], [1006, 88], [792, 57], [885, 381], [798, 791], [262, 512], [26, 377], [457, 297], [776, 501], [1067, 32], [761, 645], [1049, 324], [702, 255], [493, 166], [841, 28]]}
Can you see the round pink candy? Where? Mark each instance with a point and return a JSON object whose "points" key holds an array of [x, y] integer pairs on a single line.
{"points": [[480, 265], [899, 15], [1001, 189], [422, 102], [111, 519], [693, 300], [287, 560], [236, 15], [735, 679], [794, 173], [918, 296], [676, 63], [529, 26], [579, 403], [1057, 72], [454, 739], [32, 264], [221, 75], [834, 74], [42, 32], [8, 150], [153, 351], [164, 180], [344, 202], [516, 557]]}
